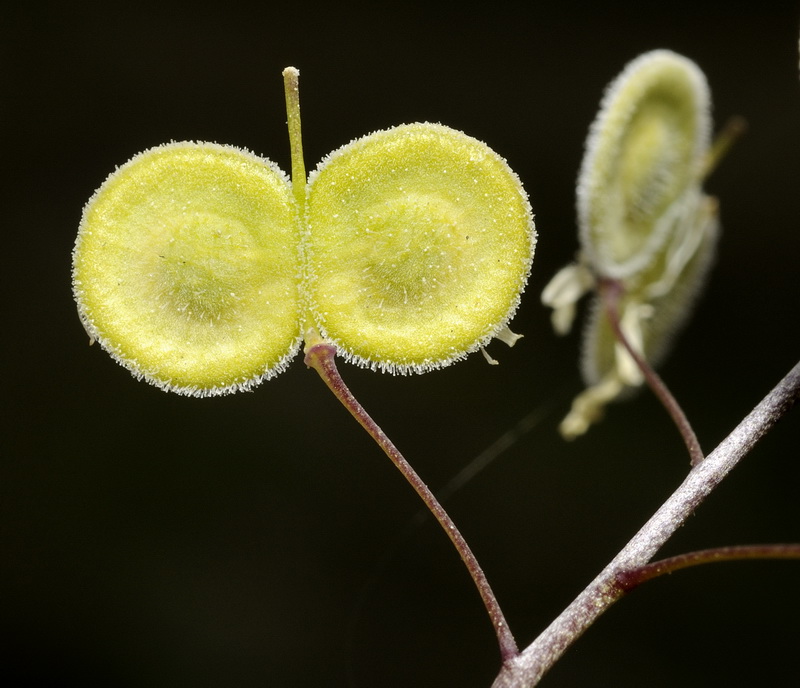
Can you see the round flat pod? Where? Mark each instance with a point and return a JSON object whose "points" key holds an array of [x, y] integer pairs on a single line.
{"points": [[186, 268], [646, 147], [420, 241]]}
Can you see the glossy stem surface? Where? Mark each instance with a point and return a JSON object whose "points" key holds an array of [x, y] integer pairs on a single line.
{"points": [[320, 356]]}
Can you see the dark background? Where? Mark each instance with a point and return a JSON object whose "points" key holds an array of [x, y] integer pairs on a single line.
{"points": [[260, 539]]}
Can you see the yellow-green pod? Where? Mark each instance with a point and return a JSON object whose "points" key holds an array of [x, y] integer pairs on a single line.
{"points": [[420, 241], [186, 268], [646, 147]]}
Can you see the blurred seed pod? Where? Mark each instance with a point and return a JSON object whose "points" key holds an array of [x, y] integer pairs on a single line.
{"points": [[650, 317], [645, 149], [644, 224]]}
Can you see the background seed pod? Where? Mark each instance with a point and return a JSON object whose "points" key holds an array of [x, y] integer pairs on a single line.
{"points": [[666, 312], [646, 148]]}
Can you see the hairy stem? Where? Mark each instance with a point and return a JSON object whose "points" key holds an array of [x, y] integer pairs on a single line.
{"points": [[320, 356], [611, 291], [641, 574], [527, 669]]}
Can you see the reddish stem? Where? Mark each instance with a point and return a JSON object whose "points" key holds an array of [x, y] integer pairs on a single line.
{"points": [[611, 292], [636, 576], [527, 669], [320, 356]]}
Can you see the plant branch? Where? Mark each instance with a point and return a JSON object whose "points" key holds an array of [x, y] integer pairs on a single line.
{"points": [[641, 574], [527, 669], [610, 291], [730, 134], [319, 355]]}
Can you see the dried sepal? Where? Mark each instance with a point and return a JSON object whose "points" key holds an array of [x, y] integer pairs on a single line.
{"points": [[564, 290]]}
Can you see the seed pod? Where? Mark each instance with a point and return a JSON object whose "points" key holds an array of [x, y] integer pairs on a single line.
{"points": [[654, 308], [186, 268], [646, 147], [199, 266], [419, 243], [644, 224]]}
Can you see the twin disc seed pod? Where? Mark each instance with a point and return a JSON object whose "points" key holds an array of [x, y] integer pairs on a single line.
{"points": [[199, 268]]}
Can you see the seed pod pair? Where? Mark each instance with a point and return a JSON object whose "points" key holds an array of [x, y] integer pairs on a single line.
{"points": [[199, 269]]}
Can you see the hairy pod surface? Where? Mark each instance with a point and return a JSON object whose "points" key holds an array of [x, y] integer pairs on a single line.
{"points": [[200, 267], [646, 147], [186, 268], [420, 240], [656, 310], [644, 223]]}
